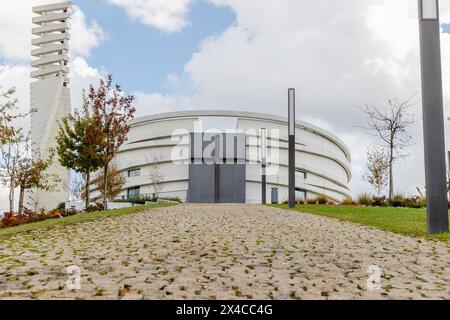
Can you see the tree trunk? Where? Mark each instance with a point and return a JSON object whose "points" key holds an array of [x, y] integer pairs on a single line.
{"points": [[391, 173], [105, 186], [21, 197], [11, 196], [87, 197]]}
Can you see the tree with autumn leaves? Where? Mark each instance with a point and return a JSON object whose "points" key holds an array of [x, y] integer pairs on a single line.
{"points": [[79, 143], [31, 173], [19, 167], [112, 110], [90, 140]]}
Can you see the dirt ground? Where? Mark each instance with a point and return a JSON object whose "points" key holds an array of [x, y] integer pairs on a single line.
{"points": [[222, 252]]}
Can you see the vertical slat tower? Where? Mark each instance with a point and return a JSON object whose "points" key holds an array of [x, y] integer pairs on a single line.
{"points": [[50, 93]]}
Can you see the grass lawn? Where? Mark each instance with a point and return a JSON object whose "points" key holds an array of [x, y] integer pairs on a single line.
{"points": [[81, 217], [411, 222]]}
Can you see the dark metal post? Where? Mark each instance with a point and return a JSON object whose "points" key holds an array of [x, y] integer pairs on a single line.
{"points": [[291, 125], [263, 165], [217, 155], [448, 174], [433, 117]]}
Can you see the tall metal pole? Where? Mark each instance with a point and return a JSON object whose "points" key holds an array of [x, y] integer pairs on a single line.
{"points": [[433, 117], [291, 125], [217, 155], [263, 165], [448, 173]]}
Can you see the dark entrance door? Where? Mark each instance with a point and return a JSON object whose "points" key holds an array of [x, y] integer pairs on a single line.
{"points": [[217, 177]]}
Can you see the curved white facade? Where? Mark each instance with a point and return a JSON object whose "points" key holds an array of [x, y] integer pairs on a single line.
{"points": [[323, 162]]}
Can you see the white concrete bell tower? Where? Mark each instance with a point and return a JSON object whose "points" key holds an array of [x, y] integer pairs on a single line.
{"points": [[50, 93]]}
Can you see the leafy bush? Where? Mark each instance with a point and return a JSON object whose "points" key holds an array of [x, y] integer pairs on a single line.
{"points": [[146, 198], [56, 213], [365, 199], [416, 202], [318, 200], [70, 212], [140, 199], [95, 207], [173, 199], [398, 201], [11, 219], [62, 206], [347, 202], [379, 202]]}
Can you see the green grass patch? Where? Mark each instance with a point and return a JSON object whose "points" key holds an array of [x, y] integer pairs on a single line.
{"points": [[81, 217], [406, 221]]}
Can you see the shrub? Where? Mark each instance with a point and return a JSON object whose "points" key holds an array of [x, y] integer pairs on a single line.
{"points": [[398, 201], [70, 212], [379, 202], [56, 213], [416, 202], [142, 199], [347, 202], [365, 199], [62, 206], [10, 219], [147, 198], [95, 207], [173, 199], [318, 200]]}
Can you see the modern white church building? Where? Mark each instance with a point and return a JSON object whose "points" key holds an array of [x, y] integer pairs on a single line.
{"points": [[183, 146], [199, 156]]}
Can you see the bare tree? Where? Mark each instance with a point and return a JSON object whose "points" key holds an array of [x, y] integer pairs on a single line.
{"points": [[116, 181], [390, 126], [156, 177], [75, 186], [11, 139], [31, 173], [10, 154], [377, 169]]}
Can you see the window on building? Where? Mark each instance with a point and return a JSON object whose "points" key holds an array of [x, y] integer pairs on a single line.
{"points": [[300, 174], [300, 195], [134, 173], [134, 192]]}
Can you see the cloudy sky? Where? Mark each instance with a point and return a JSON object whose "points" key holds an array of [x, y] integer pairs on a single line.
{"points": [[243, 55]]}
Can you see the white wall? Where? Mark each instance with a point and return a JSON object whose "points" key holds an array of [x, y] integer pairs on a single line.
{"points": [[322, 156]]}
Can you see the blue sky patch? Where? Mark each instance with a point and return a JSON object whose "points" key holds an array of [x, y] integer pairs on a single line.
{"points": [[139, 56], [446, 28]]}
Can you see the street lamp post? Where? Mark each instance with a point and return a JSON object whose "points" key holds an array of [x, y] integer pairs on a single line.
{"points": [[433, 116], [291, 120], [263, 165]]}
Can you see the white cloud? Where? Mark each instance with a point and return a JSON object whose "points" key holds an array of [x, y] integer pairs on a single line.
{"points": [[166, 15], [81, 76], [338, 54], [156, 103], [84, 35], [18, 76], [15, 30]]}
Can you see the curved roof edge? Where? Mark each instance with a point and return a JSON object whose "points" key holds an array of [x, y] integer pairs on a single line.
{"points": [[240, 114]]}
